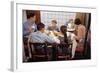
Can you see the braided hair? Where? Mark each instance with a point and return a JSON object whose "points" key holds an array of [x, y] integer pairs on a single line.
{"points": [[63, 29]]}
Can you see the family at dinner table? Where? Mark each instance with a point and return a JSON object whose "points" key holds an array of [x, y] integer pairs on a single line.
{"points": [[37, 33]]}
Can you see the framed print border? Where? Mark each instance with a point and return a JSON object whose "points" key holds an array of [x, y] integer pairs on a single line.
{"points": [[16, 36]]}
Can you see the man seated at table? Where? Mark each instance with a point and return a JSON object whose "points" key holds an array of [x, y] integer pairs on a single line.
{"points": [[40, 36]]}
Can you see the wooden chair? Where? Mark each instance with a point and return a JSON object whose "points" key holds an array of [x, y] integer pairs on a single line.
{"points": [[38, 51], [25, 49], [66, 51], [79, 51]]}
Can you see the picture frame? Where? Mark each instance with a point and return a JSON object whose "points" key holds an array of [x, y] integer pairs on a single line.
{"points": [[16, 27]]}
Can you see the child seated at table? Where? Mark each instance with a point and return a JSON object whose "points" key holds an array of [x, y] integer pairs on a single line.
{"points": [[68, 38]]}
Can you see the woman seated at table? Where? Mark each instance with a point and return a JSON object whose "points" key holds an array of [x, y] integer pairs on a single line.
{"points": [[68, 38], [80, 30]]}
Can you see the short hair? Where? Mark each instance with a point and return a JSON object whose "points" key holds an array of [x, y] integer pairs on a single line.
{"points": [[77, 21], [40, 26], [30, 14], [63, 29], [54, 21]]}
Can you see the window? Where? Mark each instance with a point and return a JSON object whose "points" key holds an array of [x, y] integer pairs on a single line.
{"points": [[61, 17]]}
